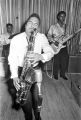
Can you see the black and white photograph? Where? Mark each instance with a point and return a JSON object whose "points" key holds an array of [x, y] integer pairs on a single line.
{"points": [[40, 59]]}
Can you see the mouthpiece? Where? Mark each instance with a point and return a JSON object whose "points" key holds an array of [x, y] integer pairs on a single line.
{"points": [[32, 32], [34, 29]]}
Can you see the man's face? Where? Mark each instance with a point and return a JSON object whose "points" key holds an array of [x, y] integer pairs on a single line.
{"points": [[32, 24], [62, 18], [9, 29]]}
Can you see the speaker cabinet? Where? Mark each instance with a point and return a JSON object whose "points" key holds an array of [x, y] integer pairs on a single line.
{"points": [[74, 64]]}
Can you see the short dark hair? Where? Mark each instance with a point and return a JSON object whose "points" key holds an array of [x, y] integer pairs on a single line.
{"points": [[9, 24], [34, 15], [59, 13]]}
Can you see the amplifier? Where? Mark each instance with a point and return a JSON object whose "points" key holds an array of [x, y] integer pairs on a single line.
{"points": [[74, 64]]}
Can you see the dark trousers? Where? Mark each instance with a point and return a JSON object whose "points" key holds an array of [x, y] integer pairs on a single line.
{"points": [[61, 61], [31, 105], [5, 51]]}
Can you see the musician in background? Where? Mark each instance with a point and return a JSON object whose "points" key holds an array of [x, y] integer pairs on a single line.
{"points": [[42, 52], [57, 32], [6, 39]]}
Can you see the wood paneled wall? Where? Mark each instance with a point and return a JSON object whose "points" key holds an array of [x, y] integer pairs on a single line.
{"points": [[17, 11]]}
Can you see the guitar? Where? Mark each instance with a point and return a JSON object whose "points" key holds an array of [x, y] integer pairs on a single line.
{"points": [[58, 45]]}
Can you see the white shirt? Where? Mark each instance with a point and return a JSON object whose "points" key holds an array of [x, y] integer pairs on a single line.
{"points": [[4, 39], [57, 31], [18, 49]]}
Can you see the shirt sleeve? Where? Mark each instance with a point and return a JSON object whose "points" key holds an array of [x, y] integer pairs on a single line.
{"points": [[50, 31], [2, 39], [48, 52], [13, 60]]}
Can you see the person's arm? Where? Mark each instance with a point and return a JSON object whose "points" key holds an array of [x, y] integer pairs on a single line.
{"points": [[48, 52], [13, 62], [13, 59], [50, 34]]}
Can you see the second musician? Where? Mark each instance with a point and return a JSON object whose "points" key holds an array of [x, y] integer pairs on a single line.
{"points": [[57, 32]]}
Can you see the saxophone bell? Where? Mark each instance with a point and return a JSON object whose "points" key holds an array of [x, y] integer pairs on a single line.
{"points": [[22, 93]]}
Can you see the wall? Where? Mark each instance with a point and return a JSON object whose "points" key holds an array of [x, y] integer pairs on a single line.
{"points": [[17, 11]]}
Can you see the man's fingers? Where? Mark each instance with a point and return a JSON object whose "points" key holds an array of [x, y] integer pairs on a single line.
{"points": [[16, 84]]}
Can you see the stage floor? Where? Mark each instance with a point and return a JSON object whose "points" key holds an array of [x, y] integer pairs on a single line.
{"points": [[58, 101]]}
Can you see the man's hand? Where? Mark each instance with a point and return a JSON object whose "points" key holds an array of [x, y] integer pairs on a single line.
{"points": [[50, 38], [16, 83], [56, 43], [35, 57]]}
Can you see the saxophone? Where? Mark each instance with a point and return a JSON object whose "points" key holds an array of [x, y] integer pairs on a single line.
{"points": [[27, 77]]}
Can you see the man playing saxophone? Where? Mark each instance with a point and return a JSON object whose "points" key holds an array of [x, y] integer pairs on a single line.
{"points": [[19, 52]]}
